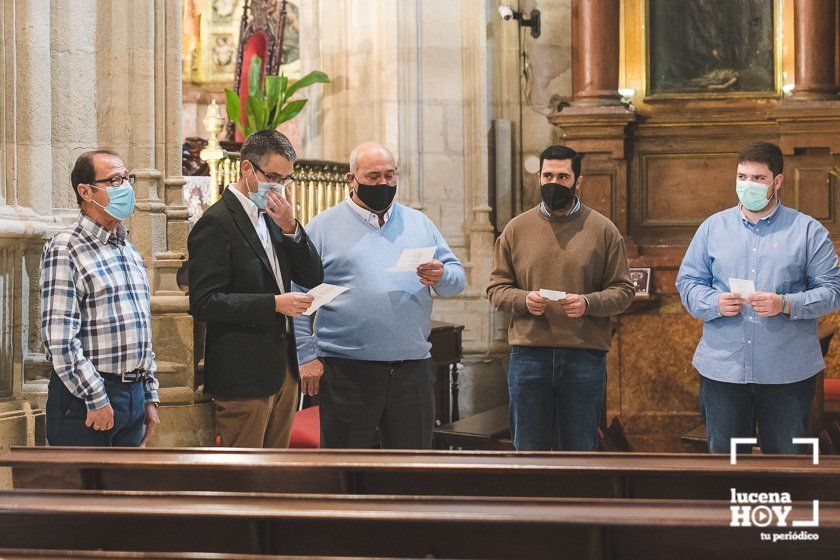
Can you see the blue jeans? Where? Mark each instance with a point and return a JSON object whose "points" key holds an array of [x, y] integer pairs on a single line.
{"points": [[66, 415], [566, 385], [782, 412]]}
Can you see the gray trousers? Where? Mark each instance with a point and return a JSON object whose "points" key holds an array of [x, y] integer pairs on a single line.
{"points": [[358, 397]]}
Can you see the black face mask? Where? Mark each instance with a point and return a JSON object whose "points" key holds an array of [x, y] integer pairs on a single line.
{"points": [[557, 196], [376, 197]]}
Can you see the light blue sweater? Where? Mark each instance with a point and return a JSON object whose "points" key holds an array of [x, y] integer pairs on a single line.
{"points": [[383, 316]]}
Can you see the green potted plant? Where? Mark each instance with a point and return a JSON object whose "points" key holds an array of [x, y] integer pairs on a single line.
{"points": [[269, 105]]}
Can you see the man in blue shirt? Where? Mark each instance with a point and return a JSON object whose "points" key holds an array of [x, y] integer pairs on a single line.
{"points": [[371, 342], [759, 354]]}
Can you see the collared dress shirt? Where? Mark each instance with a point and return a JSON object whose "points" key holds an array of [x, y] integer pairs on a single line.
{"points": [[786, 253], [370, 217]]}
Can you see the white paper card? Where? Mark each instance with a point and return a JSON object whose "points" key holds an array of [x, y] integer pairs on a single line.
{"points": [[412, 258], [745, 288], [323, 294], [553, 295]]}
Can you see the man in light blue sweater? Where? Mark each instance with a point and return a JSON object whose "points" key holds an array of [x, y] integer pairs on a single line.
{"points": [[370, 343]]}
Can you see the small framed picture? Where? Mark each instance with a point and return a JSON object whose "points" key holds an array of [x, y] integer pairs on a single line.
{"points": [[641, 281]]}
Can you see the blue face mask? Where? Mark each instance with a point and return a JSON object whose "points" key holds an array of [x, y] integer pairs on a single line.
{"points": [[753, 196], [263, 188], [120, 201]]}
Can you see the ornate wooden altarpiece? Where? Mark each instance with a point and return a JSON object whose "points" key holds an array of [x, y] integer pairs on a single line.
{"points": [[659, 165]]}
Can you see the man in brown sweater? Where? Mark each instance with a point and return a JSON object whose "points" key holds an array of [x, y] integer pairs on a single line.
{"points": [[559, 343]]}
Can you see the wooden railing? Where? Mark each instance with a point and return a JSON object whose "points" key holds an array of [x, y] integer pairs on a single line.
{"points": [[318, 184]]}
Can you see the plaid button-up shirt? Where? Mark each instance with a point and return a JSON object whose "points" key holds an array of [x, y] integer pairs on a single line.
{"points": [[96, 310]]}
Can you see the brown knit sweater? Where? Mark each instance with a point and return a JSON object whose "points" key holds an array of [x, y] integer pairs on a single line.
{"points": [[578, 254]]}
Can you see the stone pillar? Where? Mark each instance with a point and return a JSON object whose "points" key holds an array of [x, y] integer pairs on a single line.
{"points": [[815, 29], [33, 106], [595, 54], [73, 68], [474, 130], [26, 177], [597, 124], [168, 65]]}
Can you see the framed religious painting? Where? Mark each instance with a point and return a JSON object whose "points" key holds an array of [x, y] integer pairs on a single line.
{"points": [[210, 39], [713, 48]]}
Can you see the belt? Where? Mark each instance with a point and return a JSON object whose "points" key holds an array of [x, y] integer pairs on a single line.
{"points": [[130, 377], [398, 363]]}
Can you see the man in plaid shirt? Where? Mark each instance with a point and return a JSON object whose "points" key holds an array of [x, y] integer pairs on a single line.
{"points": [[96, 317]]}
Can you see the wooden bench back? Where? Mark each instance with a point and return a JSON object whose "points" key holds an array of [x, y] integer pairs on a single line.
{"points": [[477, 473], [399, 526]]}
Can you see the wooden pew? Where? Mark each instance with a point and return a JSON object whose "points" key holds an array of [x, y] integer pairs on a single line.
{"points": [[398, 526], [467, 473], [33, 554]]}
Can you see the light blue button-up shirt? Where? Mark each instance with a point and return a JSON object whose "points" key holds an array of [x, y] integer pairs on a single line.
{"points": [[784, 253]]}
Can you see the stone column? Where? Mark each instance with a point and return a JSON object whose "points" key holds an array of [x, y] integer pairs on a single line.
{"points": [[168, 67], [33, 105], [595, 55], [74, 118], [815, 29], [474, 89], [26, 134]]}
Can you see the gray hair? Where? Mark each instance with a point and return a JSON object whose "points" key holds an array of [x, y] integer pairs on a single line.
{"points": [[354, 160], [263, 143]]}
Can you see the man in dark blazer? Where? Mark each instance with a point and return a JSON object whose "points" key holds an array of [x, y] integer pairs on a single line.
{"points": [[245, 251]]}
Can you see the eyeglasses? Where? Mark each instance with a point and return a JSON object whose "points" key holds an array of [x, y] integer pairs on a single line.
{"points": [[274, 177], [117, 180]]}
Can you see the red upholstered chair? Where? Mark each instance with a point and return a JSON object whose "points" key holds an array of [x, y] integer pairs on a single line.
{"points": [[832, 390], [306, 429]]}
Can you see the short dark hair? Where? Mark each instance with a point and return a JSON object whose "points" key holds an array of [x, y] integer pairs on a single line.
{"points": [[764, 152], [263, 143], [562, 152], [84, 172]]}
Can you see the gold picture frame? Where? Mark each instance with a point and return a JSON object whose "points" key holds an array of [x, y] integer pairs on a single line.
{"points": [[635, 69], [777, 65], [210, 57]]}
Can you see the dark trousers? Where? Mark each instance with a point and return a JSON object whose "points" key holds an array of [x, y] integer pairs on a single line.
{"points": [[565, 386], [358, 397], [66, 415], [732, 410]]}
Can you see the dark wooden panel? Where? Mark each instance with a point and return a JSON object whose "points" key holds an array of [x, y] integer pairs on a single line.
{"points": [[597, 193], [813, 188], [811, 184], [683, 189]]}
